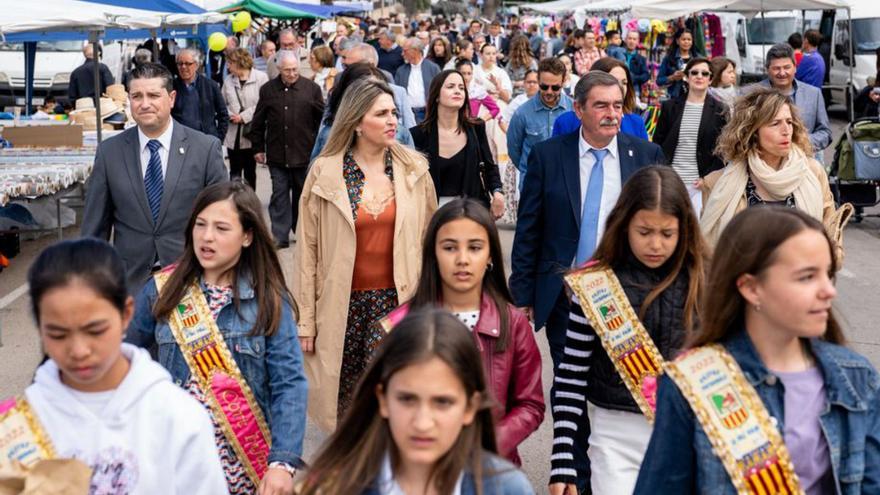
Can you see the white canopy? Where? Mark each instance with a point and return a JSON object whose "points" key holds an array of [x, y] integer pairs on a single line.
{"points": [[670, 9], [54, 15]]}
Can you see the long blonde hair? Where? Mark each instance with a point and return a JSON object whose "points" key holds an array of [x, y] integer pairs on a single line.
{"points": [[357, 101], [752, 111]]}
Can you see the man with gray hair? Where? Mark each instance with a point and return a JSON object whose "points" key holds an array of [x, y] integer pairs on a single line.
{"points": [[287, 41], [362, 52], [571, 185], [416, 75], [199, 103], [267, 52], [781, 69], [390, 53], [141, 57]]}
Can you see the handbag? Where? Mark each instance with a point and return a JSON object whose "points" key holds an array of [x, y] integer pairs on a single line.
{"points": [[245, 129], [486, 195]]}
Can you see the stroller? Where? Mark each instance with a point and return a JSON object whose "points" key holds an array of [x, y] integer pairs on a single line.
{"points": [[854, 174]]}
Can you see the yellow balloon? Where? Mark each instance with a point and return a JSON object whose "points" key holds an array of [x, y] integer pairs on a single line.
{"points": [[217, 42], [241, 21]]}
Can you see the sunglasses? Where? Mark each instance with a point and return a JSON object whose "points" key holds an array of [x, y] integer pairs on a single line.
{"points": [[695, 73], [545, 87]]}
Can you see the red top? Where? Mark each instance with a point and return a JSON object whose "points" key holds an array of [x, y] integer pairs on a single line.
{"points": [[374, 258]]}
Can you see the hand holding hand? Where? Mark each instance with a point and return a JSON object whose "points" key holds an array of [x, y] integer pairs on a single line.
{"points": [[307, 344], [497, 205]]}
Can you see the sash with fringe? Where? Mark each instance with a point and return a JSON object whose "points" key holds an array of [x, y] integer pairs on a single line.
{"points": [[22, 437]]}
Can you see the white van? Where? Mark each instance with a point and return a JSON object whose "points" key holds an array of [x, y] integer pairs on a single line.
{"points": [[54, 62], [865, 40], [753, 36]]}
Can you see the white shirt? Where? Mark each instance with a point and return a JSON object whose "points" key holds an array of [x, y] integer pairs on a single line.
{"points": [[512, 107], [482, 75], [611, 175], [164, 140], [415, 87], [388, 485]]}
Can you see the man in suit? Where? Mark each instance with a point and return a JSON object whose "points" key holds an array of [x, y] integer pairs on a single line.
{"points": [[497, 39], [199, 103], [808, 99], [571, 184], [146, 179], [416, 75]]}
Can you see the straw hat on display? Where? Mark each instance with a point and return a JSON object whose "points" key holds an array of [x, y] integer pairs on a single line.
{"points": [[85, 112]]}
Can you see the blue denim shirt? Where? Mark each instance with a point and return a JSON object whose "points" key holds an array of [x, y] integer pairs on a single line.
{"points": [[680, 460], [499, 478], [531, 124], [272, 366]]}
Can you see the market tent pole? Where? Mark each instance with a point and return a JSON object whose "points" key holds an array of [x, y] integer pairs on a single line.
{"points": [[30, 57], [850, 90], [93, 39]]}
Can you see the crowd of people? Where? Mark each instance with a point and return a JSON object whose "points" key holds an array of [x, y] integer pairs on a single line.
{"points": [[684, 285]]}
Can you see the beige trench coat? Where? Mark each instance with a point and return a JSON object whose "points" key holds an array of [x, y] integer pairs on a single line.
{"points": [[324, 263]]}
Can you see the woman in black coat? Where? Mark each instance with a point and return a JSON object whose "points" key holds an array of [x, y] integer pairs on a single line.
{"points": [[457, 148], [688, 129]]}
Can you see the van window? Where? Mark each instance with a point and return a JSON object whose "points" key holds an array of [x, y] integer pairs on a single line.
{"points": [[866, 35], [770, 30], [741, 37], [841, 41]]}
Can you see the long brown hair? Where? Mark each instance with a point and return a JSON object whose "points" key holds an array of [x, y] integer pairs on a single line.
{"points": [[258, 263], [752, 111], [429, 291], [749, 244], [605, 64], [520, 52], [351, 458], [659, 188], [432, 102]]}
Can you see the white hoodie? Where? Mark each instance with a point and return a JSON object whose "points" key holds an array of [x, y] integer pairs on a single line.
{"points": [[151, 439]]}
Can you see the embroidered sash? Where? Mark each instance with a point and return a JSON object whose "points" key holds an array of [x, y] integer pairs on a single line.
{"points": [[22, 437], [622, 335], [211, 364], [736, 422]]}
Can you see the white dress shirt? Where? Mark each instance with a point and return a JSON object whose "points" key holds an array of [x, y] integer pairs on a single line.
{"points": [[482, 76], [611, 174], [164, 139], [415, 87]]}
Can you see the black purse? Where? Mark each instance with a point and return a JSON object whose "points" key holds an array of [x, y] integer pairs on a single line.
{"points": [[486, 195], [244, 129]]}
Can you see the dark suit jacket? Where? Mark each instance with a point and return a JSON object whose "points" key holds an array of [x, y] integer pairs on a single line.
{"points": [[212, 107], [477, 147], [116, 201], [429, 71], [549, 217], [713, 119]]}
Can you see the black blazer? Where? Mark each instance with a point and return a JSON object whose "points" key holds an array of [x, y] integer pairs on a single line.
{"points": [[477, 148], [713, 120]]}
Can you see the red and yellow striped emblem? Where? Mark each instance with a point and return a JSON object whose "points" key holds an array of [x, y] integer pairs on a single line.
{"points": [[190, 321], [769, 480], [735, 418], [615, 323], [208, 359], [638, 363]]}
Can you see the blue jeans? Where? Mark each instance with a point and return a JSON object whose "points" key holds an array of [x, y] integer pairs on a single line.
{"points": [[556, 327]]}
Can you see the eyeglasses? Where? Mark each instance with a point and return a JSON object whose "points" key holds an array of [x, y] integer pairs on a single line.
{"points": [[695, 73], [545, 87], [185, 64]]}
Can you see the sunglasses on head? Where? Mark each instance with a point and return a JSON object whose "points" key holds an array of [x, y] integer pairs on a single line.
{"points": [[545, 87], [704, 73]]}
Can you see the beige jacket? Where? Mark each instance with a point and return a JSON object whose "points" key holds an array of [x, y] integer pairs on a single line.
{"points": [[250, 95], [324, 262]]}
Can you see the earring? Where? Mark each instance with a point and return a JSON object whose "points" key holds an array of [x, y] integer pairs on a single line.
{"points": [[359, 132], [758, 308], [489, 267]]}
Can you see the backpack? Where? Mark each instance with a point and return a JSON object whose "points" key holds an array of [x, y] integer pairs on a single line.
{"points": [[857, 154]]}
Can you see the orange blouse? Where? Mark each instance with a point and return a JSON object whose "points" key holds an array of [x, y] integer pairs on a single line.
{"points": [[374, 259]]}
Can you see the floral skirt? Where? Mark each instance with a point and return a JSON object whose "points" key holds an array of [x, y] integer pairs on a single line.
{"points": [[237, 480], [361, 337]]}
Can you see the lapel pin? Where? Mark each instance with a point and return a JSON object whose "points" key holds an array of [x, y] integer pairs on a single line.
{"points": [[630, 152], [181, 150]]}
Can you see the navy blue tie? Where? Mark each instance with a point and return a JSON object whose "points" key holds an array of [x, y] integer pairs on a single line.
{"points": [[153, 183]]}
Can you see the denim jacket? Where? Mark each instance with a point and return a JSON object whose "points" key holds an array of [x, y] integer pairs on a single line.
{"points": [[680, 460], [531, 124], [499, 478], [272, 366]]}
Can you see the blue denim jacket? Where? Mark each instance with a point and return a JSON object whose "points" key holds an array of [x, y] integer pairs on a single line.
{"points": [[680, 460], [531, 124], [272, 366], [499, 478]]}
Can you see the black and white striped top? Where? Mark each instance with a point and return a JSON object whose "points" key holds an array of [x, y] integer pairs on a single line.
{"points": [[685, 159], [570, 385]]}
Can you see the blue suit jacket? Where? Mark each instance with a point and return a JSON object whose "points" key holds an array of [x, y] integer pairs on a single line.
{"points": [[548, 221]]}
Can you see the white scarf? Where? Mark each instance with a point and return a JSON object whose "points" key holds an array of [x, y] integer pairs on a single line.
{"points": [[793, 177]]}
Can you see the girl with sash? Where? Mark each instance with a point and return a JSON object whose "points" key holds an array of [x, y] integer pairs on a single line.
{"points": [[223, 323], [767, 400], [459, 273], [98, 400], [419, 421], [632, 307]]}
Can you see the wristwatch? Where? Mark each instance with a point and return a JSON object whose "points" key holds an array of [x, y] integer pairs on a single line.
{"points": [[285, 466], [498, 190]]}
